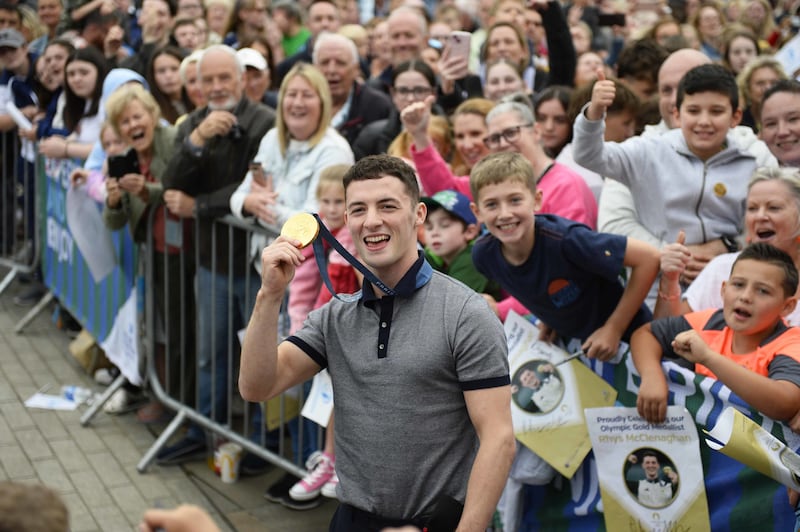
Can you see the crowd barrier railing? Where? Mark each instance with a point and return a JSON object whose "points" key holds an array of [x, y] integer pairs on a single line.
{"points": [[170, 322], [152, 337], [19, 208]]}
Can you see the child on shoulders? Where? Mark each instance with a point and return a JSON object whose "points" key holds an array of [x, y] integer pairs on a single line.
{"points": [[746, 344]]}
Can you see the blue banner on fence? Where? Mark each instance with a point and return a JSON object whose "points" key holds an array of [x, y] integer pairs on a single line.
{"points": [[95, 304]]}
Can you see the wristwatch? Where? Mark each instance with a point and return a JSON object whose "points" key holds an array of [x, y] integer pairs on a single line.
{"points": [[730, 244]]}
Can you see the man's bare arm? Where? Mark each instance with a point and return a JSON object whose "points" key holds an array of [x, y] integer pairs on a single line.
{"points": [[490, 412], [267, 368]]}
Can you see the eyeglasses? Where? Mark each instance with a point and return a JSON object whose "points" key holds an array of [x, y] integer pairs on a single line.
{"points": [[511, 134], [416, 92]]}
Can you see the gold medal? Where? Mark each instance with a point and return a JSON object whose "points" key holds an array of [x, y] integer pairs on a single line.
{"points": [[302, 227]]}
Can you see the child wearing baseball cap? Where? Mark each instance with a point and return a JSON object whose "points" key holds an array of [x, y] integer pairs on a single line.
{"points": [[450, 230]]}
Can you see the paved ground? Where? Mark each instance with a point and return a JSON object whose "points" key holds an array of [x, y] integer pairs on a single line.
{"points": [[94, 468]]}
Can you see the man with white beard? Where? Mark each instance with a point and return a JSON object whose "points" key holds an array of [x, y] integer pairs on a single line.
{"points": [[214, 146]]}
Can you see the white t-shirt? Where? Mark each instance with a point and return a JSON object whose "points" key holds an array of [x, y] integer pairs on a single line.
{"points": [[548, 395], [656, 494]]}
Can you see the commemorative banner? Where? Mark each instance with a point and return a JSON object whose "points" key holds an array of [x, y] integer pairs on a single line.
{"points": [[549, 393], [649, 479], [739, 497]]}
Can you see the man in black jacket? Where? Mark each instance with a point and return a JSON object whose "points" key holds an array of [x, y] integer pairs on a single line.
{"points": [[354, 104], [213, 148]]}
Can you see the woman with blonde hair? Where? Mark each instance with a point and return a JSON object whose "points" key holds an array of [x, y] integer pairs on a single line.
{"points": [[136, 118], [772, 216], [757, 76], [294, 152], [218, 17], [757, 15]]}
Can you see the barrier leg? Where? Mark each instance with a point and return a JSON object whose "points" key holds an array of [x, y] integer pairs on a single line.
{"points": [[100, 401], [46, 299], [8, 279], [174, 425]]}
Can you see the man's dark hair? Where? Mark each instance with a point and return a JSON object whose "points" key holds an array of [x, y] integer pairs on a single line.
{"points": [[641, 60], [709, 78], [763, 252], [292, 10], [378, 166], [172, 5], [650, 453], [5, 6]]}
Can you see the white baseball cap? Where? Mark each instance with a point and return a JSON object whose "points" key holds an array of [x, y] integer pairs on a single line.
{"points": [[252, 58]]}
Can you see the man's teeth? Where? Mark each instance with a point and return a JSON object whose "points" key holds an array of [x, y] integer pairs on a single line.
{"points": [[507, 227], [375, 239]]}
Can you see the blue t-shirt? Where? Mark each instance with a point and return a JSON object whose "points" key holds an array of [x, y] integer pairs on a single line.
{"points": [[570, 280]]}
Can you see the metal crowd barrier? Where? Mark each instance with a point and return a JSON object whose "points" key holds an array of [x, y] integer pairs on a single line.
{"points": [[179, 319], [19, 215], [168, 336]]}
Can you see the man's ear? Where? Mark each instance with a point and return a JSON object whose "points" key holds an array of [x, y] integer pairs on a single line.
{"points": [[474, 207], [422, 214]]}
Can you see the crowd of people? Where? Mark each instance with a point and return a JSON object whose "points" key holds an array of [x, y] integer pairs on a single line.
{"points": [[659, 137]]}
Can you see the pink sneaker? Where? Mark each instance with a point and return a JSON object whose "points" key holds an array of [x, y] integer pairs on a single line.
{"points": [[320, 470], [329, 489]]}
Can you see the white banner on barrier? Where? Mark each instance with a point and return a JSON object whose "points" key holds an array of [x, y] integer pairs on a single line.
{"points": [[90, 234], [121, 344], [649, 475]]}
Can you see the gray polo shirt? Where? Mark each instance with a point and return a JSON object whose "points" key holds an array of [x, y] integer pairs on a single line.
{"points": [[400, 366]]}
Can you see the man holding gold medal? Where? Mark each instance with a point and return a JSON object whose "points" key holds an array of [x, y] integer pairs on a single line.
{"points": [[418, 364]]}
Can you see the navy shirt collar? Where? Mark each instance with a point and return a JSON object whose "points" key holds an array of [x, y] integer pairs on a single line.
{"points": [[416, 277]]}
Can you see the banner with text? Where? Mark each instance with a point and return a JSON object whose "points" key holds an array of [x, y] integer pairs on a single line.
{"points": [[739, 497], [649, 479], [95, 304]]}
